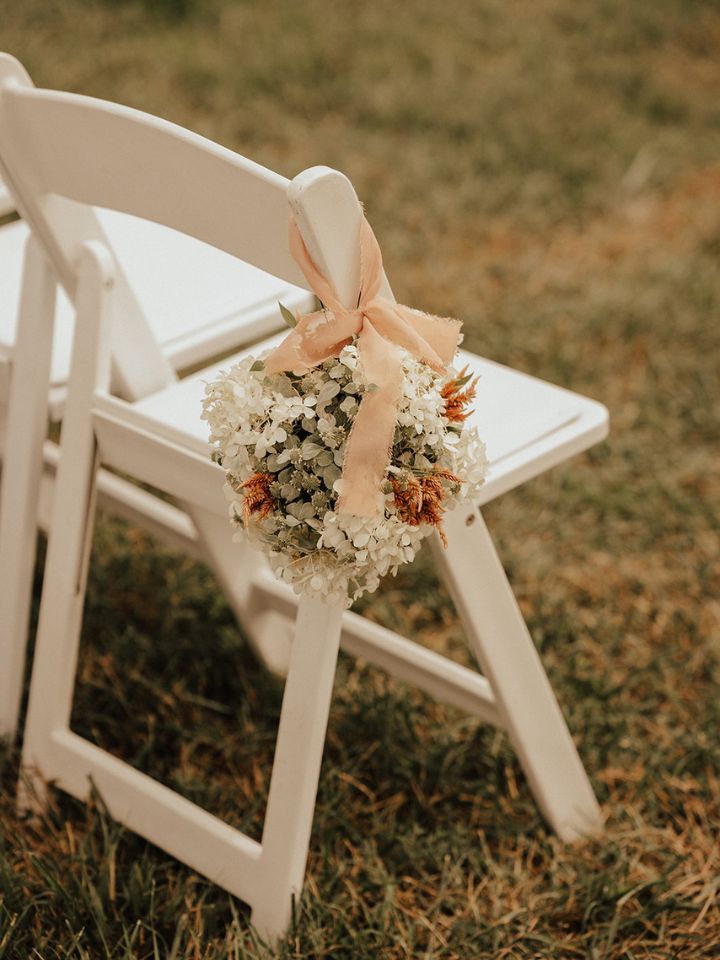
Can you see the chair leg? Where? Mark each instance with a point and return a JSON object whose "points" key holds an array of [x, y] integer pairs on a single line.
{"points": [[26, 424], [269, 633], [63, 595], [296, 768], [504, 648]]}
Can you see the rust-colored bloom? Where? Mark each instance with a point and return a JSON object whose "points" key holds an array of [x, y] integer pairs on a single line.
{"points": [[420, 499], [408, 498], [256, 491], [457, 399]]}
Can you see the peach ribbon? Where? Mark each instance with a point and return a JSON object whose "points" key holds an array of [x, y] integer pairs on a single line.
{"points": [[381, 326]]}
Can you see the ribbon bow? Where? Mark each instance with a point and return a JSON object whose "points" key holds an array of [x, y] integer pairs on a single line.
{"points": [[381, 327]]}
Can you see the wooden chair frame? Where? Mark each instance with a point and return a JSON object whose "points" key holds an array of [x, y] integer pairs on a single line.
{"points": [[44, 312], [514, 693]]}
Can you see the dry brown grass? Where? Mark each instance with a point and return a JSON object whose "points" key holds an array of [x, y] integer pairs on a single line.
{"points": [[548, 172]]}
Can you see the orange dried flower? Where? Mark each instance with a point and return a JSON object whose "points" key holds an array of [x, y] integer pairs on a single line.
{"points": [[447, 475], [256, 491], [420, 500], [457, 399], [408, 498]]}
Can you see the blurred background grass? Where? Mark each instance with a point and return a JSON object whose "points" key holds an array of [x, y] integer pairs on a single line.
{"points": [[548, 172]]}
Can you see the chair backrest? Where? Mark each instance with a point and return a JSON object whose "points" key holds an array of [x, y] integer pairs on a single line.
{"points": [[63, 154]]}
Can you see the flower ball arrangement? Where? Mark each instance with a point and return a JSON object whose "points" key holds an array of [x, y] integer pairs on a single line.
{"points": [[282, 437]]}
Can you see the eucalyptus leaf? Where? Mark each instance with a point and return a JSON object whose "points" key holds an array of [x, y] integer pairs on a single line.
{"points": [[328, 390], [330, 475], [287, 315], [310, 450]]}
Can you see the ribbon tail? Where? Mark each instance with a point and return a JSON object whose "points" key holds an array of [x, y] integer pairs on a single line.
{"points": [[369, 446], [441, 333], [392, 324]]}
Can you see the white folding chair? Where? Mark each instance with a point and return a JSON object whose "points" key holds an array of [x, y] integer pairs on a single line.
{"points": [[191, 303], [529, 426]]}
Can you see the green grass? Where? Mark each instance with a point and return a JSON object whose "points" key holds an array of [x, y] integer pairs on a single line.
{"points": [[548, 172]]}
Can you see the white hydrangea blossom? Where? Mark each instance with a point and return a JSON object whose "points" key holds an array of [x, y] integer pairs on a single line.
{"points": [[292, 430]]}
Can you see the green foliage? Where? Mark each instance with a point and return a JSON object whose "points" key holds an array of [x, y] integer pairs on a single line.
{"points": [[546, 171], [287, 315]]}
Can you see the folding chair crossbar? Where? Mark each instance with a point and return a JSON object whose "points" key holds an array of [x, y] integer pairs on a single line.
{"points": [[265, 875], [443, 679], [181, 828], [126, 500]]}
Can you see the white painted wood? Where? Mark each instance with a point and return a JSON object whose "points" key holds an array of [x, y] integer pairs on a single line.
{"points": [[492, 618], [127, 500], [19, 490], [328, 212], [62, 225], [507, 655], [180, 300], [141, 438], [205, 843], [199, 302], [188, 183], [13, 238], [296, 767], [158, 461], [443, 679], [197, 483], [268, 637], [136, 800], [171, 525], [50, 749], [60, 615], [42, 135], [529, 425]]}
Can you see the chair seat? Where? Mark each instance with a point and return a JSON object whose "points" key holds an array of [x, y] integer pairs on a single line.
{"points": [[528, 425], [199, 301]]}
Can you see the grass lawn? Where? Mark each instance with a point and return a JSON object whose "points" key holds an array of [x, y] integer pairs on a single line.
{"points": [[549, 172]]}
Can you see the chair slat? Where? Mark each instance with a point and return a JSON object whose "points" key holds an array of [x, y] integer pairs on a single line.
{"points": [[188, 182]]}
